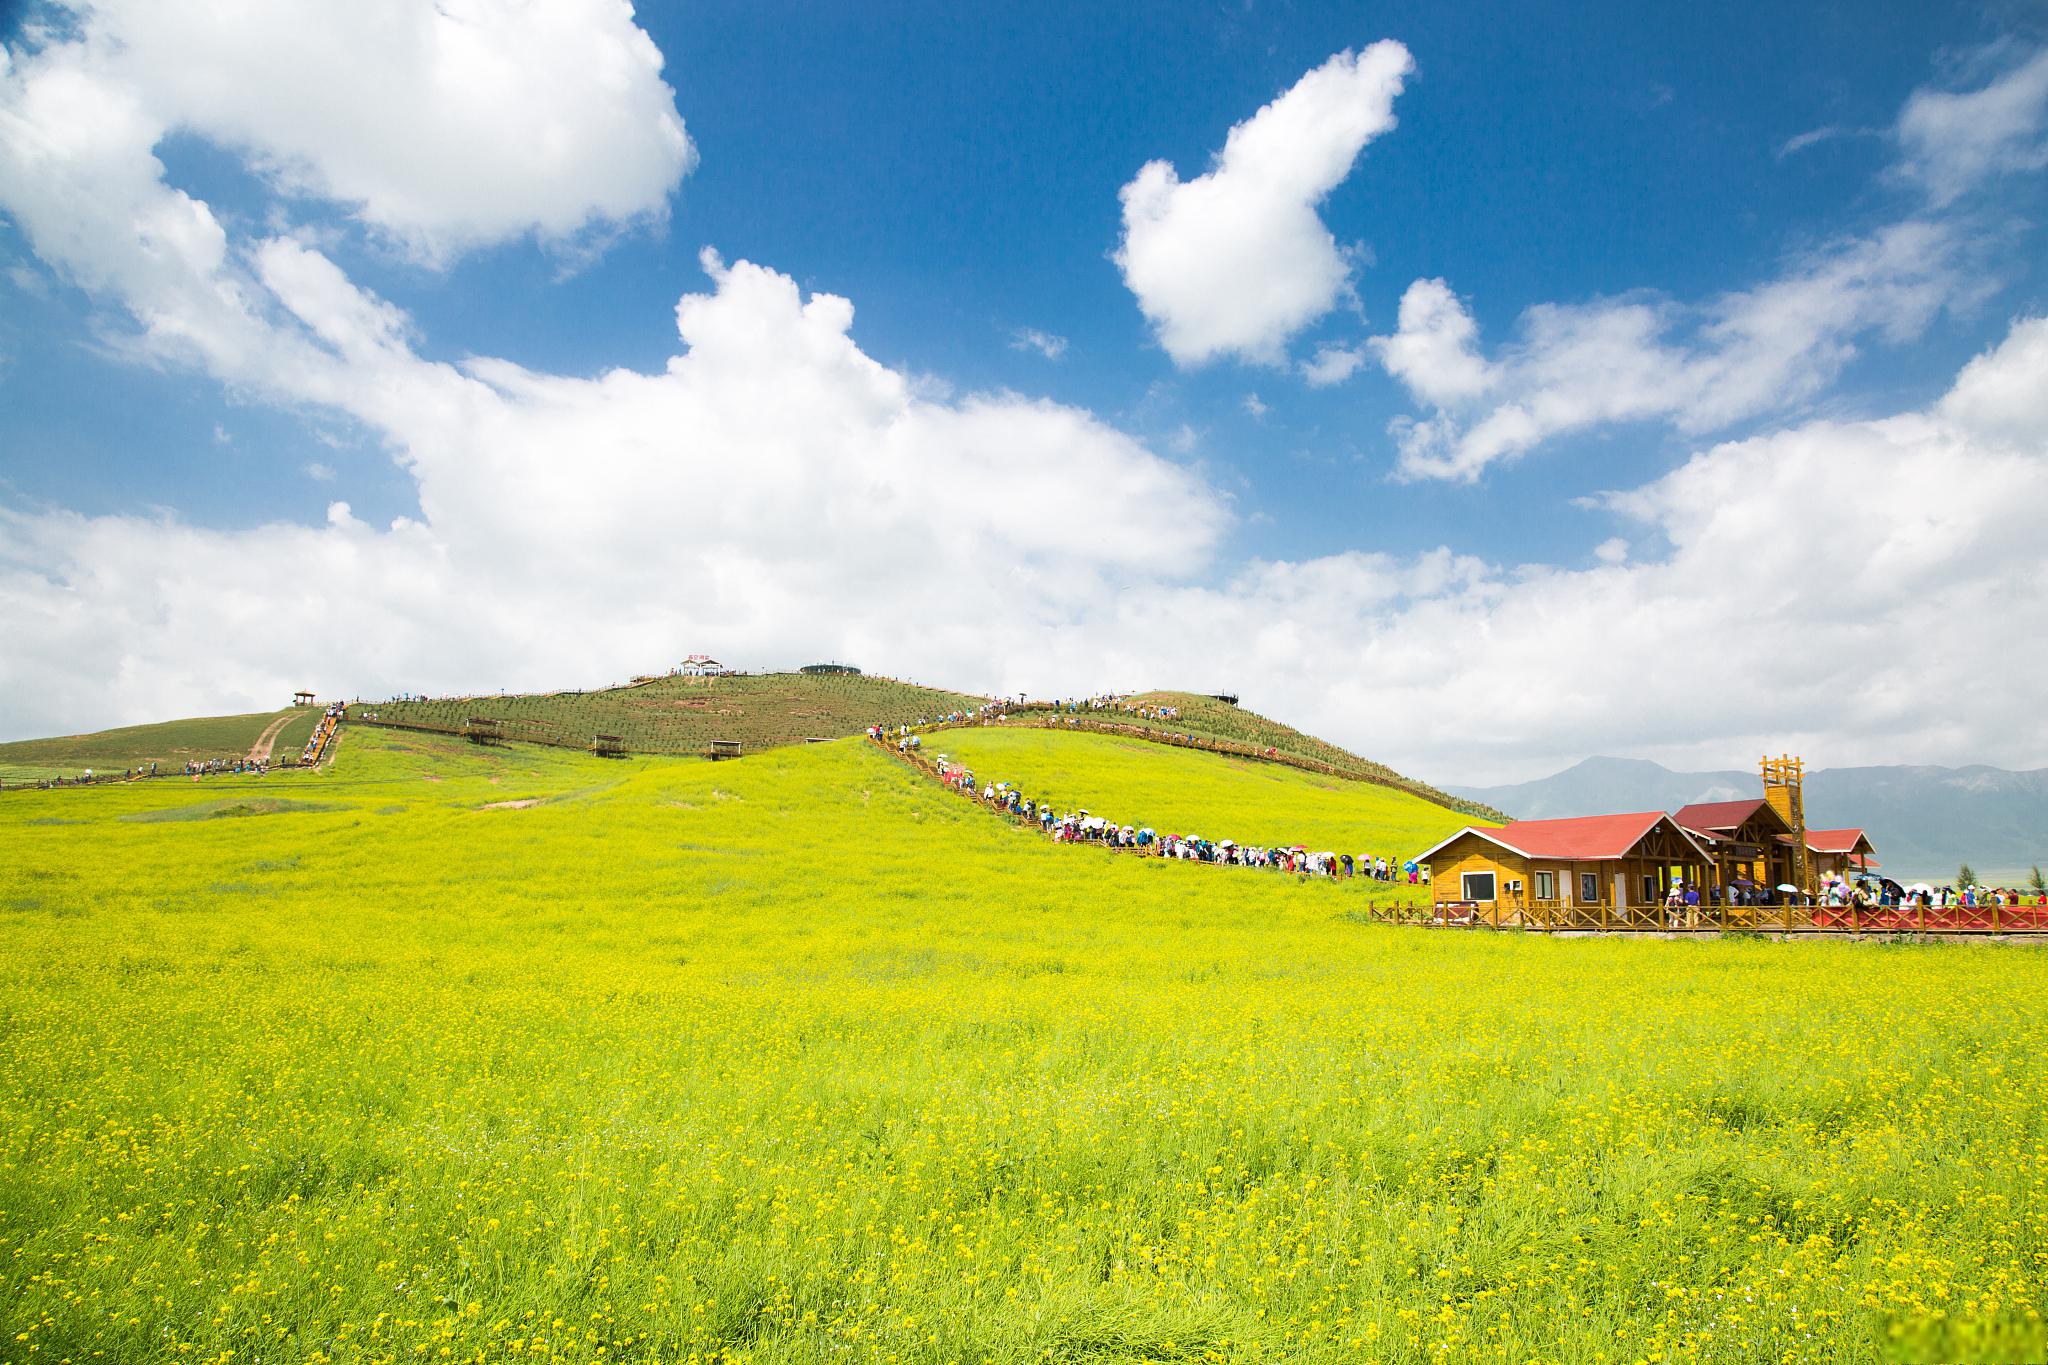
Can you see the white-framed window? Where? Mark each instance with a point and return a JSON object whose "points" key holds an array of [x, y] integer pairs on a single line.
{"points": [[1589, 887], [1649, 887], [1546, 886], [1478, 886]]}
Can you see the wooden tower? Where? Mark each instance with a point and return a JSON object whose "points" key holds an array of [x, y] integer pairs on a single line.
{"points": [[1783, 779]]}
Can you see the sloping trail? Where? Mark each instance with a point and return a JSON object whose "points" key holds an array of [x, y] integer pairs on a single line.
{"points": [[1402, 911], [259, 752]]}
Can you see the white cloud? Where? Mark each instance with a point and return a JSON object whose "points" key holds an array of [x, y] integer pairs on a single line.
{"points": [[1641, 357], [1045, 343], [320, 473], [773, 487], [774, 492], [1812, 137], [1255, 406], [1333, 365], [1237, 260], [440, 127], [1952, 141]]}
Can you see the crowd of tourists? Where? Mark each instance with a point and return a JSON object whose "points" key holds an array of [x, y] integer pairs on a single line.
{"points": [[1081, 826], [221, 767]]}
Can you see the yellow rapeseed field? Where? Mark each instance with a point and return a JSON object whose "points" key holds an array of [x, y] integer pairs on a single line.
{"points": [[458, 1055]]}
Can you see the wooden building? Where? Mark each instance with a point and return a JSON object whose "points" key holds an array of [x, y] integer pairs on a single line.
{"points": [[1593, 871], [1750, 840], [1840, 852], [1599, 871]]}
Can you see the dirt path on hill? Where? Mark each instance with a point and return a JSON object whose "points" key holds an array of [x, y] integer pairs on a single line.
{"points": [[260, 750]]}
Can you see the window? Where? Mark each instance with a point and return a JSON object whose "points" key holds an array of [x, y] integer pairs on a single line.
{"points": [[1546, 886], [1649, 887], [1589, 887], [1478, 886]]}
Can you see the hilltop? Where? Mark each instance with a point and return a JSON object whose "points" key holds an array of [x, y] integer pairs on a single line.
{"points": [[683, 715]]}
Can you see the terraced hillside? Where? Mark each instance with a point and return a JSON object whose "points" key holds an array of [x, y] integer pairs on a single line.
{"points": [[168, 744], [1188, 791], [684, 715], [1208, 718]]}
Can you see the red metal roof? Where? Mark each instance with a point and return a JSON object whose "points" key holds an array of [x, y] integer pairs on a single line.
{"points": [[1835, 840], [1712, 815], [1589, 837]]}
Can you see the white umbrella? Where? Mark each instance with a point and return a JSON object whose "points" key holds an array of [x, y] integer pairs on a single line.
{"points": [[1788, 887]]}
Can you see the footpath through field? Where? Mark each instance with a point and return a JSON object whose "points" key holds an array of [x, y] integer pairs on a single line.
{"points": [[259, 752]]}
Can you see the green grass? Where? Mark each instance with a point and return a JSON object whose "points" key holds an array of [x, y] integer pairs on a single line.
{"points": [[1208, 718], [683, 715], [1186, 791], [168, 743], [799, 1059]]}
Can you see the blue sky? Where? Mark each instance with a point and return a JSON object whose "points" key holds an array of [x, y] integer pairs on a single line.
{"points": [[955, 172]]}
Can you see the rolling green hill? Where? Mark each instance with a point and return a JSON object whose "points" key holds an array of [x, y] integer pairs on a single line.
{"points": [[169, 744], [445, 1052], [683, 715], [1187, 791], [1209, 718]]}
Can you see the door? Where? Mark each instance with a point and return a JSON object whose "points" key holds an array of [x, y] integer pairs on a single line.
{"points": [[1621, 890]]}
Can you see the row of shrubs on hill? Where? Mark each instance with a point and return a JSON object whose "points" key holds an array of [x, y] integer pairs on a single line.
{"points": [[681, 715]]}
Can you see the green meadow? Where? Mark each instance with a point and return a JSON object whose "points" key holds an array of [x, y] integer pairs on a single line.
{"points": [[166, 743], [1188, 791], [459, 1054]]}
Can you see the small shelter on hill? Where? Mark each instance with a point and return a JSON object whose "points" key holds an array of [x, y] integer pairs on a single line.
{"points": [[482, 730], [302, 699], [1584, 868], [723, 748], [816, 669], [608, 746], [700, 666]]}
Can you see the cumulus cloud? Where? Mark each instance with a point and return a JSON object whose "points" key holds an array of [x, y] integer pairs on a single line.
{"points": [[1044, 343], [1237, 260], [1643, 357], [772, 486], [1952, 141], [440, 127], [773, 493], [1333, 365], [1800, 589]]}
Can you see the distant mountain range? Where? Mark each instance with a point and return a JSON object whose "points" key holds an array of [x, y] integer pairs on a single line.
{"points": [[1923, 820]]}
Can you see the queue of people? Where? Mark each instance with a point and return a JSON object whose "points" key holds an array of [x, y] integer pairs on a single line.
{"points": [[323, 734], [1084, 827], [222, 767]]}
